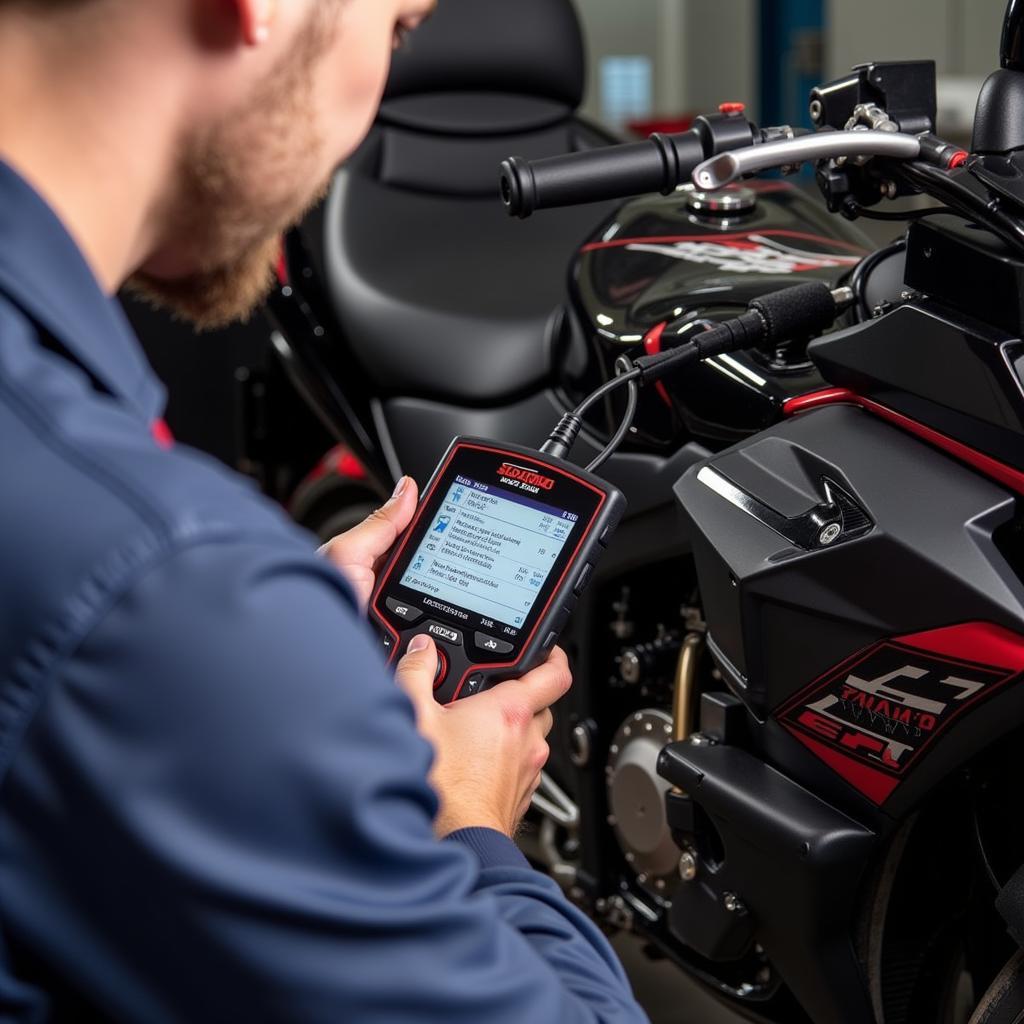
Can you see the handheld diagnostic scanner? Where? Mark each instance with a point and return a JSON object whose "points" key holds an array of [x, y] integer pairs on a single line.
{"points": [[504, 541]]}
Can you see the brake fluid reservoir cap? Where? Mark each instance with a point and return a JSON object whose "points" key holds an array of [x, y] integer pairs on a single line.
{"points": [[726, 202]]}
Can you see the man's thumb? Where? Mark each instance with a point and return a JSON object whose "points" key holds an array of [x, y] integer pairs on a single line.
{"points": [[415, 672]]}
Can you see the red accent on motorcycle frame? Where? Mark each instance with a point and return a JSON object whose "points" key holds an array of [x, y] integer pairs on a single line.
{"points": [[281, 267], [652, 347], [980, 642], [341, 461], [985, 464]]}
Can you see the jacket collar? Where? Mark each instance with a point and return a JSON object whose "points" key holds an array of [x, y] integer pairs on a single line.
{"points": [[43, 272]]}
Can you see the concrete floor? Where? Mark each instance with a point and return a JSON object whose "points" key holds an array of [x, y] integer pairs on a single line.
{"points": [[667, 995]]}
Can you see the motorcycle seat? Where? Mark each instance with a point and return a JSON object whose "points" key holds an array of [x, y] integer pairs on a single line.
{"points": [[437, 291]]}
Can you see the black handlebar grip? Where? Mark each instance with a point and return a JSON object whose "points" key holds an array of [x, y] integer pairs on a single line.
{"points": [[613, 172]]}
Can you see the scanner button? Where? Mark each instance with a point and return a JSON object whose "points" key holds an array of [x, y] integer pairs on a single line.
{"points": [[446, 633], [492, 644], [403, 610], [550, 641], [584, 578], [442, 669]]}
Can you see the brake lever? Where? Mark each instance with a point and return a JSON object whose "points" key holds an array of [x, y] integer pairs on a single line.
{"points": [[726, 168]]}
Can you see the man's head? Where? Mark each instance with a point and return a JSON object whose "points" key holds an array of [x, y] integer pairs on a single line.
{"points": [[271, 95]]}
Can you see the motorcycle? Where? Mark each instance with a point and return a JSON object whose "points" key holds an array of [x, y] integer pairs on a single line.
{"points": [[790, 760]]}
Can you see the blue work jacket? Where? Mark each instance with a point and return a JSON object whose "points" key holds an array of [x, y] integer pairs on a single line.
{"points": [[213, 799]]}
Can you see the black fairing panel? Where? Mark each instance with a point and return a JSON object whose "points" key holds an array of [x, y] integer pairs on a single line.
{"points": [[941, 369], [780, 616]]}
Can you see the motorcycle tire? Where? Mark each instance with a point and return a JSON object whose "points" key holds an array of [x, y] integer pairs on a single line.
{"points": [[1003, 1003]]}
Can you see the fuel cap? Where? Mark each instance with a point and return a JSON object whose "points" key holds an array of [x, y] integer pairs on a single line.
{"points": [[726, 202]]}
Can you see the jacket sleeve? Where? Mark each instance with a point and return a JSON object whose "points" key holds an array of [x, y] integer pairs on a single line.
{"points": [[221, 812]]}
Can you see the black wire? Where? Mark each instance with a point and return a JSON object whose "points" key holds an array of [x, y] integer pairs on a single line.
{"points": [[616, 382], [627, 374], [864, 269], [940, 185], [897, 215]]}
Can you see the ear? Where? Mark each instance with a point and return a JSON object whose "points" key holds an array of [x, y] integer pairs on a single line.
{"points": [[256, 18]]}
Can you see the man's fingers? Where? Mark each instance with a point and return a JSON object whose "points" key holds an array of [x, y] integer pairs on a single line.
{"points": [[543, 686], [525, 805], [415, 672], [546, 721], [364, 544]]}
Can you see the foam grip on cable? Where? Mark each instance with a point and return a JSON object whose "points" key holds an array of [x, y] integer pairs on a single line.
{"points": [[797, 312]]}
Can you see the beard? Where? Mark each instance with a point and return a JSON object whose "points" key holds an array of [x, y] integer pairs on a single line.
{"points": [[238, 188]]}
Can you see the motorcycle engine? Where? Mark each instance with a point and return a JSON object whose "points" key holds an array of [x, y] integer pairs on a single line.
{"points": [[636, 798]]}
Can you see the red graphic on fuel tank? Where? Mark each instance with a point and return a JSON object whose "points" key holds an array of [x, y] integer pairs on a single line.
{"points": [[872, 717]]}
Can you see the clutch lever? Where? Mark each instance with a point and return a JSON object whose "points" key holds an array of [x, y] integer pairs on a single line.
{"points": [[726, 168]]}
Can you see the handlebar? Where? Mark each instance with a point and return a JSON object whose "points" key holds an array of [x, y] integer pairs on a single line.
{"points": [[722, 170], [661, 164], [724, 147]]}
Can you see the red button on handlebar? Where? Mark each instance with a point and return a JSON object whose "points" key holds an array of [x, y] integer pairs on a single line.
{"points": [[958, 159], [732, 108]]}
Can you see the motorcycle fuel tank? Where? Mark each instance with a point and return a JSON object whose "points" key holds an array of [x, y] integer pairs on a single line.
{"points": [[662, 265]]}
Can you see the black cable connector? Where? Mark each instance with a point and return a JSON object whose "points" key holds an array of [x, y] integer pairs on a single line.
{"points": [[804, 310], [801, 311], [744, 331], [563, 437]]}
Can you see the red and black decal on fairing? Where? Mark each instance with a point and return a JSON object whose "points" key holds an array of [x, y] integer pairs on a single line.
{"points": [[872, 717]]}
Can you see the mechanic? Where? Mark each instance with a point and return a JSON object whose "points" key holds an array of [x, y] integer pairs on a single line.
{"points": [[215, 803]]}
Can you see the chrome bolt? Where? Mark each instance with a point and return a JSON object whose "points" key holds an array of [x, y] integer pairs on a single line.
{"points": [[733, 903], [630, 668], [579, 753], [816, 111], [688, 866], [829, 535]]}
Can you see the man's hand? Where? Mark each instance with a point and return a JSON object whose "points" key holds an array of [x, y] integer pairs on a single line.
{"points": [[491, 747], [359, 552]]}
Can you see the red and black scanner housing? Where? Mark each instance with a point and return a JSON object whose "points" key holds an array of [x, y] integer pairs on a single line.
{"points": [[476, 651]]}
